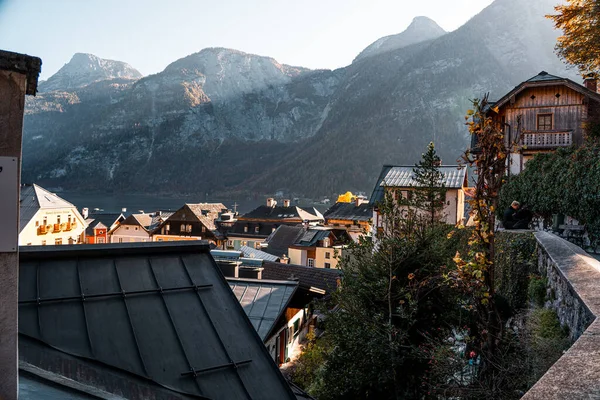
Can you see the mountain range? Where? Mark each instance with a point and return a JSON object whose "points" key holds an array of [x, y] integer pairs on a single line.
{"points": [[221, 121]]}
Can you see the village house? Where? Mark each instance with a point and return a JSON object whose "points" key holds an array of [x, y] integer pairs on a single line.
{"points": [[399, 181], [253, 228], [137, 228], [99, 225], [356, 217], [317, 247], [544, 113], [193, 222], [47, 219]]}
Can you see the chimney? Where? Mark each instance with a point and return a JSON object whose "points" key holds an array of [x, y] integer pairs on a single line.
{"points": [[251, 272], [591, 82], [123, 210], [271, 202], [359, 200], [229, 269], [284, 259], [286, 202], [85, 212]]}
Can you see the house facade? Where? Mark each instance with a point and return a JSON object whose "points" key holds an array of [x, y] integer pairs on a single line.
{"points": [[99, 225], [135, 228], [192, 222], [47, 219], [544, 113], [399, 181]]}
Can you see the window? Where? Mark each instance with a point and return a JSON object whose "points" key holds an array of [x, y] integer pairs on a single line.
{"points": [[120, 240], [544, 122], [311, 262], [126, 228], [327, 265], [58, 219], [245, 229], [58, 241], [189, 228], [230, 243], [45, 221], [327, 255], [296, 327], [101, 240], [37, 223], [256, 229]]}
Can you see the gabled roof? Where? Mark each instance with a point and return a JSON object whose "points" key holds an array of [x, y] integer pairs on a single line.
{"points": [[308, 277], [263, 301], [160, 313], [108, 219], [93, 224], [33, 198], [207, 213], [350, 212], [546, 79], [148, 222]]}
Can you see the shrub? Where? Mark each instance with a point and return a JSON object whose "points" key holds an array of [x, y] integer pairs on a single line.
{"points": [[537, 290]]}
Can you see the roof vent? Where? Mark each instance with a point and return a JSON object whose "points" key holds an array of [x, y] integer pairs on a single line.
{"points": [[543, 73]]}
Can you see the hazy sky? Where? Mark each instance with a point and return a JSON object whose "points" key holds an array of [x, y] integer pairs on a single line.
{"points": [[150, 34]]}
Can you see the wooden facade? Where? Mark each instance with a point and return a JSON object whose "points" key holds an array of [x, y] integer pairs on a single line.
{"points": [[543, 114]]}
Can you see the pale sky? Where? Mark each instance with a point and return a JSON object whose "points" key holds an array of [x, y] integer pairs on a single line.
{"points": [[150, 34]]}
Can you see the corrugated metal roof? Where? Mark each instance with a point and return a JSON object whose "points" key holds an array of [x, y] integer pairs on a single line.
{"points": [[160, 311], [263, 301], [403, 177]]}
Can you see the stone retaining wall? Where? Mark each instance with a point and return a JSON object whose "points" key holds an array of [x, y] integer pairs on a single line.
{"points": [[574, 293]]}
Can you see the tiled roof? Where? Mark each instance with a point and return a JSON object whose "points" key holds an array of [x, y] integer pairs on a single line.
{"points": [[350, 212], [263, 301], [258, 254], [161, 312], [34, 198], [207, 213], [280, 213], [307, 277]]}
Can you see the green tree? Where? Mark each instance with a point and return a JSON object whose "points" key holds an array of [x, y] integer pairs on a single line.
{"points": [[580, 43], [430, 192]]}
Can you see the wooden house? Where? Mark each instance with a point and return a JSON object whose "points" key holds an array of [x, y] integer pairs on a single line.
{"points": [[355, 217], [544, 113], [192, 222]]}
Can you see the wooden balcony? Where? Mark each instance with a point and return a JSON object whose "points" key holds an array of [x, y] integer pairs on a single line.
{"points": [[43, 229], [534, 140], [56, 228]]}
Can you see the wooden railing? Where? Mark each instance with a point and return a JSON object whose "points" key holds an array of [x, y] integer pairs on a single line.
{"points": [[547, 139]]}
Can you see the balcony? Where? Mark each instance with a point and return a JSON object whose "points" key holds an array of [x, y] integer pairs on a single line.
{"points": [[43, 229], [546, 139], [57, 228]]}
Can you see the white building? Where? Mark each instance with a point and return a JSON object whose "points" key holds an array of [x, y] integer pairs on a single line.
{"points": [[135, 228], [47, 219]]}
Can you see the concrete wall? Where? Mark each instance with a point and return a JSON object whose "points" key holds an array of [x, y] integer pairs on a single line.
{"points": [[574, 293]]}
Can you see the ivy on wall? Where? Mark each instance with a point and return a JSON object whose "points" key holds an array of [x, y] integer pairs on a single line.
{"points": [[566, 181]]}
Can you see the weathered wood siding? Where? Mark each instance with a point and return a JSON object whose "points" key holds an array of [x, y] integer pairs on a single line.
{"points": [[569, 110]]}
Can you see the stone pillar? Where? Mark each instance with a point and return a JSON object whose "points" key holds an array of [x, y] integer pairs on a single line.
{"points": [[18, 77]]}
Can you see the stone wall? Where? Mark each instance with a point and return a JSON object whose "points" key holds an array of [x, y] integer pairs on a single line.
{"points": [[574, 293]]}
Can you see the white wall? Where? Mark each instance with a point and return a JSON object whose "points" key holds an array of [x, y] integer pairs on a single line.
{"points": [[29, 235], [297, 256]]}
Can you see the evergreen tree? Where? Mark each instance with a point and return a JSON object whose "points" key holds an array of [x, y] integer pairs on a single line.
{"points": [[430, 191]]}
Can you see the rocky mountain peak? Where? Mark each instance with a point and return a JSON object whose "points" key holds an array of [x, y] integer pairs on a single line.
{"points": [[420, 30], [84, 69]]}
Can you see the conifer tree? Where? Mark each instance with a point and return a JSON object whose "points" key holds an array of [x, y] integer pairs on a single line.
{"points": [[430, 191]]}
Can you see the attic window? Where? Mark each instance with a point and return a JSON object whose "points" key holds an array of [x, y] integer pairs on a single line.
{"points": [[532, 97], [557, 95]]}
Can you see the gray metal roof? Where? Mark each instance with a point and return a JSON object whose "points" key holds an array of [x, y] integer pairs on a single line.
{"points": [[350, 212], [403, 177], [34, 388], [263, 301], [258, 254], [162, 312], [543, 77]]}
